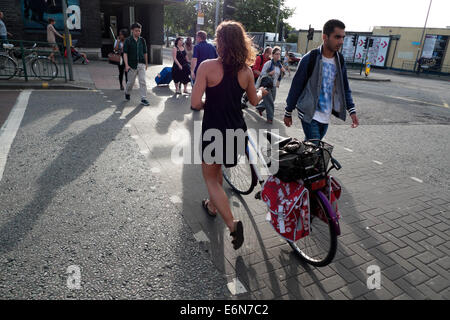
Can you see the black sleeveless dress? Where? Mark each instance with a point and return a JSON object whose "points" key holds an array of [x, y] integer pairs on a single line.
{"points": [[179, 75], [224, 131]]}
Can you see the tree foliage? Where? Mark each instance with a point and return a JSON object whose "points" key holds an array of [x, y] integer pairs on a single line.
{"points": [[255, 15]]}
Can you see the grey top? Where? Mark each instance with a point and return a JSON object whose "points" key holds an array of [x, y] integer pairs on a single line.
{"points": [[2, 28]]}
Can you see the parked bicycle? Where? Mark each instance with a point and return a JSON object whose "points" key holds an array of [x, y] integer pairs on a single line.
{"points": [[41, 66], [320, 246]]}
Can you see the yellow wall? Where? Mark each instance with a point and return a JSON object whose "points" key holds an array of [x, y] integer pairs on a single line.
{"points": [[406, 51], [316, 42]]}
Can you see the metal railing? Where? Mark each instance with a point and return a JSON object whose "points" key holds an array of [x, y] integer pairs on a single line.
{"points": [[32, 60], [428, 67]]}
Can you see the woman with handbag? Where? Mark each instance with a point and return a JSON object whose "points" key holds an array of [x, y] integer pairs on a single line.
{"points": [[118, 48], [270, 74], [180, 69]]}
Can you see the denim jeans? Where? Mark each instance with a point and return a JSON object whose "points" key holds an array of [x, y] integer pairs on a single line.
{"points": [[314, 130], [268, 103]]}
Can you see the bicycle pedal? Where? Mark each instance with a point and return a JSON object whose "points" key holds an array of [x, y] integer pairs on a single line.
{"points": [[258, 195]]}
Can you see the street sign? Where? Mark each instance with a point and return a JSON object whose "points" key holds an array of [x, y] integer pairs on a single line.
{"points": [[201, 18]]}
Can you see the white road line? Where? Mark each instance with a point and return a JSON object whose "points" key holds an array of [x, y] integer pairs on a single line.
{"points": [[175, 199], [378, 162], [417, 179], [349, 150], [236, 287], [9, 129], [201, 237]]}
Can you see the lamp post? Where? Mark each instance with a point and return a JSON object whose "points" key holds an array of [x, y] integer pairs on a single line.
{"points": [[423, 35], [67, 37]]}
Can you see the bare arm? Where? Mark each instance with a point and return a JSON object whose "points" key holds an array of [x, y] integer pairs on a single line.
{"points": [[125, 60], [193, 65], [199, 87], [146, 60]]}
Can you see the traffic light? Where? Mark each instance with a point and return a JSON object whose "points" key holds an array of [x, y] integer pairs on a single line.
{"points": [[370, 43], [228, 9], [354, 39], [310, 34], [365, 43]]}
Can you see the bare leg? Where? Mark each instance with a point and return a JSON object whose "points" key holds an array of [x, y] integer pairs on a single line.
{"points": [[212, 173]]}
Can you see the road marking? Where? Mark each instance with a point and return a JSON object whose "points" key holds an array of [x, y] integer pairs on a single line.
{"points": [[378, 162], [417, 179], [109, 101], [236, 287], [418, 101], [155, 170], [201, 237], [349, 150], [175, 199], [9, 129], [113, 106]]}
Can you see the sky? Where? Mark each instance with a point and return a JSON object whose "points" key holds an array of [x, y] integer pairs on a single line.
{"points": [[363, 15]]}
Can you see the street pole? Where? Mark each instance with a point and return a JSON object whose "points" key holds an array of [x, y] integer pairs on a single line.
{"points": [[422, 38], [278, 20], [217, 15], [307, 40], [67, 36]]}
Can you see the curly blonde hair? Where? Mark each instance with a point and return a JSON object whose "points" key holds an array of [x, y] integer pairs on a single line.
{"points": [[234, 47]]}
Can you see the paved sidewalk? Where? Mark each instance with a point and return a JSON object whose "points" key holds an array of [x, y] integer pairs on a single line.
{"points": [[389, 220]]}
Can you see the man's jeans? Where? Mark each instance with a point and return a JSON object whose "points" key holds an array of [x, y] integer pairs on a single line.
{"points": [[314, 130], [140, 73]]}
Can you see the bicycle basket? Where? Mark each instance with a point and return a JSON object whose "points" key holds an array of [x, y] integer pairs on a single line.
{"points": [[303, 160]]}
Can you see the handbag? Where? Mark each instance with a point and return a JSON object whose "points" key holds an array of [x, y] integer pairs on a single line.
{"points": [[114, 58]]}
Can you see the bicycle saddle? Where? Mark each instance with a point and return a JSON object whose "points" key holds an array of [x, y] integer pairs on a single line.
{"points": [[280, 141]]}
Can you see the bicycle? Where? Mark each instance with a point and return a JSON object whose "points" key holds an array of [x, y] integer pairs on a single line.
{"points": [[320, 246], [42, 67]]}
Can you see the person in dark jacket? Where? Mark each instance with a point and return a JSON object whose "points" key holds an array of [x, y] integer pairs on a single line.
{"points": [[320, 86]]}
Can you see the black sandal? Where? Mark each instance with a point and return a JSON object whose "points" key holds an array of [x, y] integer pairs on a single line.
{"points": [[238, 235], [205, 206]]}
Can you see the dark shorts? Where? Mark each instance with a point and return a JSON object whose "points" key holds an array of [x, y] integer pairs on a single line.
{"points": [[231, 151]]}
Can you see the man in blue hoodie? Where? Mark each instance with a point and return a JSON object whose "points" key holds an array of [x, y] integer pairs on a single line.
{"points": [[320, 86]]}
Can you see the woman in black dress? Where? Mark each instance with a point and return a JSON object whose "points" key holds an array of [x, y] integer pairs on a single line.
{"points": [[180, 69], [224, 80]]}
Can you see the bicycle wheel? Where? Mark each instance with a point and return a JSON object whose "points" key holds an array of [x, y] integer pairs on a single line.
{"points": [[242, 177], [8, 67], [44, 68], [319, 247]]}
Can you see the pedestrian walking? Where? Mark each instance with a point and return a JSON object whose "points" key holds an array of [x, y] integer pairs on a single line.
{"points": [[51, 39], [180, 68], [272, 70], [202, 51], [189, 46], [224, 80], [118, 48], [3, 31], [320, 86], [286, 62], [261, 61], [136, 62]]}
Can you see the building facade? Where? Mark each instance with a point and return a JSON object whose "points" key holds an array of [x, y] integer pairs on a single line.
{"points": [[93, 23], [392, 47]]}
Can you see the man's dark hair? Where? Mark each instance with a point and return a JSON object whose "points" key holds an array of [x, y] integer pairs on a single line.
{"points": [[330, 25], [136, 25], [50, 20]]}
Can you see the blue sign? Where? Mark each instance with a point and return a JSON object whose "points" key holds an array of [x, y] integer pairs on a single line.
{"points": [[37, 12], [415, 43]]}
